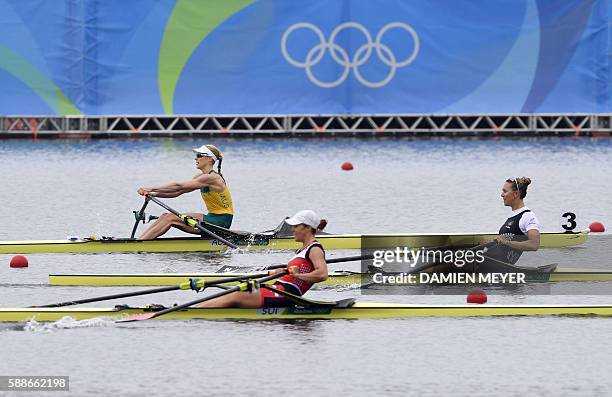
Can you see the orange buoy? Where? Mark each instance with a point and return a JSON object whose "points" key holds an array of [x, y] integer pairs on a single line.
{"points": [[597, 227], [347, 166], [19, 261], [477, 296]]}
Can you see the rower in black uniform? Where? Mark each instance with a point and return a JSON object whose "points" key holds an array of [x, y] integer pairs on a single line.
{"points": [[519, 233]]}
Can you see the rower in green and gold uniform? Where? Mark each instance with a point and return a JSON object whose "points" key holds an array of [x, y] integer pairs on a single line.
{"points": [[213, 189]]}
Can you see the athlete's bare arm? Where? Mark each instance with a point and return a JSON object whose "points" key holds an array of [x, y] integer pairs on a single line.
{"points": [[175, 189], [531, 244], [320, 272]]}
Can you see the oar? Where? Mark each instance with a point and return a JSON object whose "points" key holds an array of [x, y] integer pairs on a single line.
{"points": [[195, 284], [189, 221], [247, 285], [419, 269], [230, 268], [483, 247]]}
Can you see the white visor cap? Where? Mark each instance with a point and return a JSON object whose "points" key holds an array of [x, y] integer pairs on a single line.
{"points": [[307, 217], [203, 150]]}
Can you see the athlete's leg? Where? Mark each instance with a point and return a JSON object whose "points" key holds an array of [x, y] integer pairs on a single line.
{"points": [[166, 221], [235, 299]]}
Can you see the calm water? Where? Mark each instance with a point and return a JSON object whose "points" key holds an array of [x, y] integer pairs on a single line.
{"points": [[52, 189]]}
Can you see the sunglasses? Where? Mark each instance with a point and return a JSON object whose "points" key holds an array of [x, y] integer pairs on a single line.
{"points": [[200, 155]]}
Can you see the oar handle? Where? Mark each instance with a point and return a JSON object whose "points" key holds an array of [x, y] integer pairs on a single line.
{"points": [[195, 224], [279, 266], [351, 258], [333, 260]]}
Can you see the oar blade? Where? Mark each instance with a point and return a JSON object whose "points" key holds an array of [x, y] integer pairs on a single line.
{"points": [[136, 317]]}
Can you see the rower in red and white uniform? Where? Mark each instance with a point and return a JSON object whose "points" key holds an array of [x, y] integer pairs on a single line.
{"points": [[306, 268]]}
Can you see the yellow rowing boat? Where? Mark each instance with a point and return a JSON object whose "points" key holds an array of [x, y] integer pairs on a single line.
{"points": [[329, 241], [344, 310], [335, 278]]}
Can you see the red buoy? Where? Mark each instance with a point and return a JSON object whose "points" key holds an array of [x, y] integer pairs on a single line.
{"points": [[597, 227], [347, 166], [477, 296], [19, 261]]}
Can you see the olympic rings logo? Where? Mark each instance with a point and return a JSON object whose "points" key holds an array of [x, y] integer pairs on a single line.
{"points": [[342, 58]]}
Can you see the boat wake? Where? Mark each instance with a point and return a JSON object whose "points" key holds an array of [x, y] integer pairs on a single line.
{"points": [[67, 323], [247, 249], [338, 288]]}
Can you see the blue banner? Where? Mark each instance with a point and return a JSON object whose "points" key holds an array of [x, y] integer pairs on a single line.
{"points": [[111, 57]]}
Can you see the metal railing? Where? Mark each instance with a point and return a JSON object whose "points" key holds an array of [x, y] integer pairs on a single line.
{"points": [[310, 125]]}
